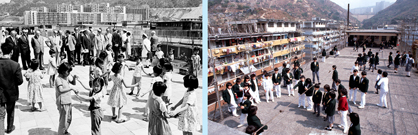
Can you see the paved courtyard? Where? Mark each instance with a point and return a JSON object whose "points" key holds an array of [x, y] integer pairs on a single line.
{"points": [[400, 117], [46, 123]]}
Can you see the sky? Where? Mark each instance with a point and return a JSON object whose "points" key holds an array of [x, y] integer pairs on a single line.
{"points": [[358, 3]]}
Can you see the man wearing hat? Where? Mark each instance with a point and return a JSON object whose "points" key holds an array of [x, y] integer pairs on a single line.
{"points": [[23, 43], [146, 49]]}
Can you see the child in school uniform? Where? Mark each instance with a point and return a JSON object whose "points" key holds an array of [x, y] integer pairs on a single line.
{"points": [[355, 67], [188, 119], [383, 83], [343, 109], [330, 110], [245, 106], [325, 98], [297, 73], [359, 60], [301, 89], [379, 75], [289, 77], [95, 98], [334, 77], [137, 76], [52, 67], [363, 87], [284, 72], [238, 89], [254, 85], [355, 124], [229, 96], [390, 60], [372, 62], [35, 89], [277, 78], [317, 96], [309, 93], [376, 57], [353, 85], [268, 87], [252, 119]]}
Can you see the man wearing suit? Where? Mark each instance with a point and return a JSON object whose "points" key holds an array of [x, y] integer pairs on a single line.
{"points": [[79, 43], [23, 43], [229, 96], [38, 48], [363, 87], [12, 40], [116, 43], [315, 70], [10, 79], [277, 78], [353, 85], [86, 45], [70, 47]]}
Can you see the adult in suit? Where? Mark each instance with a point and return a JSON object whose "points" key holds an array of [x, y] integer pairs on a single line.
{"points": [[38, 48], [10, 79], [12, 40], [78, 46], [87, 45], [117, 42], [70, 47], [23, 43]]}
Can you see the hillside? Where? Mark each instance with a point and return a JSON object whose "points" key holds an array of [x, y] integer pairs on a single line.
{"points": [[17, 7], [221, 11], [401, 9]]}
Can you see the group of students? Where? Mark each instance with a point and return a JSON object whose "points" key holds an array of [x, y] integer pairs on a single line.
{"points": [[157, 109], [405, 60], [245, 94]]}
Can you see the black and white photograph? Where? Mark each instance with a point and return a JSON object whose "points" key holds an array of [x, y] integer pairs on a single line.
{"points": [[101, 67]]}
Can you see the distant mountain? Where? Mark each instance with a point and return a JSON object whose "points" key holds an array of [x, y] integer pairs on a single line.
{"points": [[401, 9], [17, 7], [221, 11]]}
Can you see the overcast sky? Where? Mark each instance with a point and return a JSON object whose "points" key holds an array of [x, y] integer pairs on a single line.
{"points": [[2, 1], [358, 3]]}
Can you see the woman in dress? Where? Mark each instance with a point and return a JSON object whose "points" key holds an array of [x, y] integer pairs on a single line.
{"points": [[34, 77], [117, 98], [188, 120], [158, 112]]}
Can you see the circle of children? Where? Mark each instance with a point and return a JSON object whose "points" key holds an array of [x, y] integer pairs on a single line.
{"points": [[157, 109], [244, 94]]}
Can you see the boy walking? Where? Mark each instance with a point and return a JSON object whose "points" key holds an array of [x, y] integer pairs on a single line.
{"points": [[363, 87], [334, 77]]}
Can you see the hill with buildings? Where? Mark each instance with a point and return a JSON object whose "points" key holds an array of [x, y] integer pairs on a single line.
{"points": [[17, 7], [399, 10], [222, 11]]}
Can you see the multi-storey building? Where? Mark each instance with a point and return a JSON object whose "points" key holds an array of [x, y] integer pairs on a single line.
{"points": [[322, 34], [39, 9], [250, 47], [65, 7]]}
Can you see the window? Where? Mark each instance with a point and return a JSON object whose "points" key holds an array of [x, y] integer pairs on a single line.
{"points": [[293, 25], [271, 24], [279, 24], [286, 24]]}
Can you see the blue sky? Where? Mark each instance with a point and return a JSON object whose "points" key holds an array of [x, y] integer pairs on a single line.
{"points": [[358, 3]]}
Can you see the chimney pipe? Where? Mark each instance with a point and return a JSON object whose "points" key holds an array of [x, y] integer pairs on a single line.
{"points": [[348, 15]]}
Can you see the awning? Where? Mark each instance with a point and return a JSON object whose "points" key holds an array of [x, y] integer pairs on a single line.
{"points": [[246, 70], [277, 34]]}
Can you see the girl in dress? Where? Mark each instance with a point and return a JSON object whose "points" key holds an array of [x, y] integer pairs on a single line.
{"points": [[158, 124], [52, 67], [188, 119], [34, 77], [168, 75], [158, 77], [137, 76], [117, 98], [95, 98]]}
